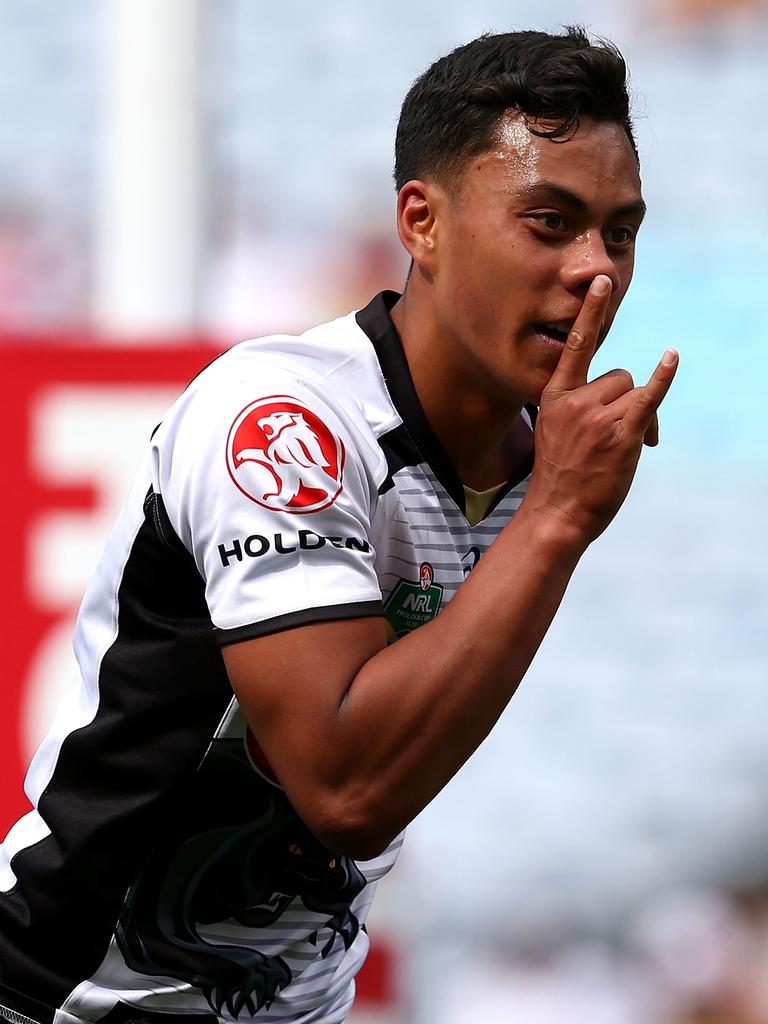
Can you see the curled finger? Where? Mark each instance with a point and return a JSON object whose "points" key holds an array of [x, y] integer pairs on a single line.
{"points": [[651, 437]]}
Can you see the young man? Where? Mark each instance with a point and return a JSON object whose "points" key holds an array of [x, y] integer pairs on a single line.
{"points": [[305, 500]]}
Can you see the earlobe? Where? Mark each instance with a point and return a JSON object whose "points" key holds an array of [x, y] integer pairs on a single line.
{"points": [[417, 223]]}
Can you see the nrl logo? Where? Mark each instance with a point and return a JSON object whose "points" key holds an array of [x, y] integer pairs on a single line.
{"points": [[283, 457], [410, 604]]}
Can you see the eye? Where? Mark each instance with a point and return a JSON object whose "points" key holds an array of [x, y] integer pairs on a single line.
{"points": [[551, 220], [621, 236]]}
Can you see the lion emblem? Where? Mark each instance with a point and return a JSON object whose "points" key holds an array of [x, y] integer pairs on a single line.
{"points": [[283, 456]]}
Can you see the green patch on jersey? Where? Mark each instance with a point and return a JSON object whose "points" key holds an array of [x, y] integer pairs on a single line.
{"points": [[410, 606]]}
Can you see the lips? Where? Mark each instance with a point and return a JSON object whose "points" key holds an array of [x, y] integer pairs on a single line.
{"points": [[554, 331]]}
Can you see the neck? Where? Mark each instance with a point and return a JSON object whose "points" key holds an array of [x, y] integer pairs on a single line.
{"points": [[484, 436]]}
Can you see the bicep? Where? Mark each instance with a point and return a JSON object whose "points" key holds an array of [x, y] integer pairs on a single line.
{"points": [[291, 686]]}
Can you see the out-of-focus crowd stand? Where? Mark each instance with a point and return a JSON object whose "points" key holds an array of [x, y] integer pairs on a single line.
{"points": [[688, 957], [300, 125], [629, 774]]}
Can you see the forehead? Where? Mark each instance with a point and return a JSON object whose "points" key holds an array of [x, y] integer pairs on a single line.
{"points": [[596, 162]]}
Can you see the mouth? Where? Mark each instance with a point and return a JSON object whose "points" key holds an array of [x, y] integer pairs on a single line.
{"points": [[553, 332]]}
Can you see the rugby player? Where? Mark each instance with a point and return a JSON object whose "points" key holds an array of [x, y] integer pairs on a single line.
{"points": [[215, 804]]}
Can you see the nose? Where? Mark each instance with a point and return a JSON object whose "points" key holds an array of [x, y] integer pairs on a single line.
{"points": [[587, 257]]}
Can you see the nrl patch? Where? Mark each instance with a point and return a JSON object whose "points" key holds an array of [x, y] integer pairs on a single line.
{"points": [[410, 605]]}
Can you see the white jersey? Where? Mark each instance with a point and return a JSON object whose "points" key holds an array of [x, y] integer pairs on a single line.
{"points": [[163, 872]]}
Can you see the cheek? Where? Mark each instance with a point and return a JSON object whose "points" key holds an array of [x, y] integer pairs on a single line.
{"points": [[534, 267], [467, 283], [611, 314], [627, 272], [625, 266], [626, 269]]}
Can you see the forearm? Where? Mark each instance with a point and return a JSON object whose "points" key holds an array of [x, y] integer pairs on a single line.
{"points": [[417, 710], [363, 736]]}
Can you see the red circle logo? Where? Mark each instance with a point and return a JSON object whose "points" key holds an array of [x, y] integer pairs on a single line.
{"points": [[426, 575], [283, 457]]}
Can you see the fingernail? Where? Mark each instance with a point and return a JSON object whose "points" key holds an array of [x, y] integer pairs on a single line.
{"points": [[669, 358], [601, 285]]}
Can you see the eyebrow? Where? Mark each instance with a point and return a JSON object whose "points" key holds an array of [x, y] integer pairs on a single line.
{"points": [[568, 198]]}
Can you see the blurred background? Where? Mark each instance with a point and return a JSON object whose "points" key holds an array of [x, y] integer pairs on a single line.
{"points": [[176, 177]]}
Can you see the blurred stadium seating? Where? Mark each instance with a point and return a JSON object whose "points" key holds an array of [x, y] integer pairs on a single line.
{"points": [[604, 856]]}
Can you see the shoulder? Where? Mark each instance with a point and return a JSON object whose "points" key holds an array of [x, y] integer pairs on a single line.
{"points": [[331, 368], [302, 416]]}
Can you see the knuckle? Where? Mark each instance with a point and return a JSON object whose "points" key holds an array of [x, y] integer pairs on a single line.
{"points": [[577, 339], [643, 401], [595, 416], [624, 377], [579, 403], [611, 439], [608, 431]]}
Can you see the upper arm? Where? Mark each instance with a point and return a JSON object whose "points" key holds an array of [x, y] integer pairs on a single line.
{"points": [[291, 686], [272, 488]]}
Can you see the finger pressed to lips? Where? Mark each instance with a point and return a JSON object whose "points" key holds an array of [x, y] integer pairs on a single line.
{"points": [[582, 341]]}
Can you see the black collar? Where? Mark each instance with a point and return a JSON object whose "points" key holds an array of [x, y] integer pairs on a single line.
{"points": [[376, 322]]}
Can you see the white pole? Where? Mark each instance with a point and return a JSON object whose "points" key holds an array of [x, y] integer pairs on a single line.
{"points": [[151, 216]]}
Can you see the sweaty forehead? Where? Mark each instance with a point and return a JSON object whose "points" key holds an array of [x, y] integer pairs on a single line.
{"points": [[598, 156]]}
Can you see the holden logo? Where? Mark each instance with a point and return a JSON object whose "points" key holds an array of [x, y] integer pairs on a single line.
{"points": [[283, 457]]}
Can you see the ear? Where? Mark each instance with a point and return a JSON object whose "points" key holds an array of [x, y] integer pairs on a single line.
{"points": [[417, 207]]}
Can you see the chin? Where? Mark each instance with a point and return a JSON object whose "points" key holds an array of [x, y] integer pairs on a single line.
{"points": [[518, 385], [533, 393]]}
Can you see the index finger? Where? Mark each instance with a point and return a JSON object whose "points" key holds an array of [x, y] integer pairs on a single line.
{"points": [[581, 343]]}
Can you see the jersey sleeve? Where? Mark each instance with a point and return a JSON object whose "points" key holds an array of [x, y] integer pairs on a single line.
{"points": [[272, 489]]}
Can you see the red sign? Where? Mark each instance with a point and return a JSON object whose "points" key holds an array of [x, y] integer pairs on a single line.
{"points": [[65, 415]]}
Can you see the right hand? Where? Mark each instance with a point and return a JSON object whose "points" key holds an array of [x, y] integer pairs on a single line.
{"points": [[589, 436]]}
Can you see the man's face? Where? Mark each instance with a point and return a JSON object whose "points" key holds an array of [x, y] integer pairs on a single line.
{"points": [[520, 237]]}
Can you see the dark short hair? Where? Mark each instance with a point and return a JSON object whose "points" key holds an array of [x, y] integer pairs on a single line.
{"points": [[452, 111]]}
